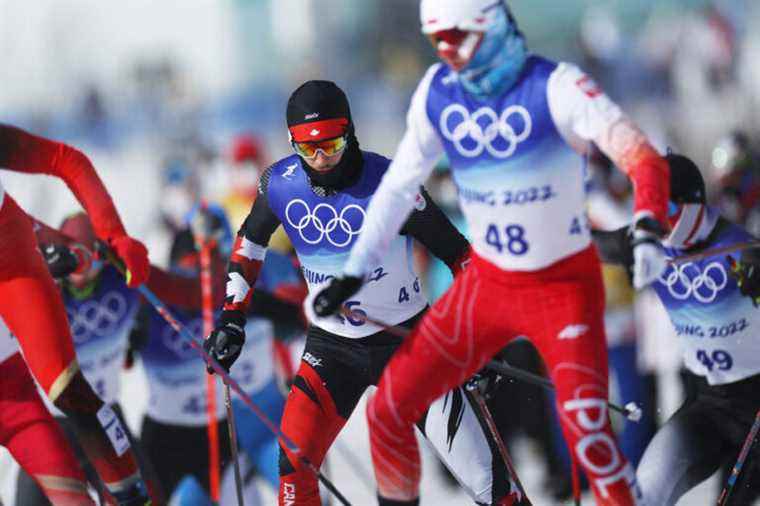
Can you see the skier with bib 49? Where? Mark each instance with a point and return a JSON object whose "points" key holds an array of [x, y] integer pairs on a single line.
{"points": [[513, 126], [319, 196]]}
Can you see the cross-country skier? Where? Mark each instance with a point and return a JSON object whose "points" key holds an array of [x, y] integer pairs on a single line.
{"points": [[29, 433], [101, 310], [31, 305], [320, 196], [512, 125], [712, 303]]}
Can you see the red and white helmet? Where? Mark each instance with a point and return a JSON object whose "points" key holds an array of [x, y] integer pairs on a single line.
{"points": [[457, 28], [465, 15]]}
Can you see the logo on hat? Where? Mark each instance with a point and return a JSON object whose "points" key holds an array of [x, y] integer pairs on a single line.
{"points": [[314, 132], [313, 115]]}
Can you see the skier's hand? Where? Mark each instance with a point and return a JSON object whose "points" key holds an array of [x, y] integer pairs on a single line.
{"points": [[226, 341], [135, 257], [329, 299], [649, 260], [746, 272], [64, 260], [486, 381], [206, 227]]}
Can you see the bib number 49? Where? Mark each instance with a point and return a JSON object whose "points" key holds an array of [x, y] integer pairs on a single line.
{"points": [[717, 359], [510, 239]]}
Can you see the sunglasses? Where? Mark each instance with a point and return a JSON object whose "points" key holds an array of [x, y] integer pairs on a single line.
{"points": [[328, 147]]}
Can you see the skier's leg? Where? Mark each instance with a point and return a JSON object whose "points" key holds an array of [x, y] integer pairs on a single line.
{"points": [[683, 453], [255, 438], [325, 391], [35, 440], [453, 340], [569, 334], [32, 308], [463, 442]]}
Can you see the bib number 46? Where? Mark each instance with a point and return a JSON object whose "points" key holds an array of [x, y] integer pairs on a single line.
{"points": [[510, 239]]}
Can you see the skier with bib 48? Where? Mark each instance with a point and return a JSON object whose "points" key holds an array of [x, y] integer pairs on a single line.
{"points": [[513, 126], [319, 196]]}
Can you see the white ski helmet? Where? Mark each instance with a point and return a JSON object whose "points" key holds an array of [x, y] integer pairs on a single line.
{"points": [[465, 15]]}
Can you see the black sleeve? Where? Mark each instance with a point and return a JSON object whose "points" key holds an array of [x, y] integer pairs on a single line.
{"points": [[432, 228], [614, 246], [267, 305], [139, 335], [261, 222]]}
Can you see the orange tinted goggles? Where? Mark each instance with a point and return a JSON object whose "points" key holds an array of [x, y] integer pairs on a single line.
{"points": [[328, 147]]}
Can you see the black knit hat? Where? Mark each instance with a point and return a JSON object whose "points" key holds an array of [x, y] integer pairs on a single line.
{"points": [[686, 183], [318, 110]]}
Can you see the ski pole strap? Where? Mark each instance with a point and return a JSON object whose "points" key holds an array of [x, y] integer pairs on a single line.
{"points": [[226, 378]]}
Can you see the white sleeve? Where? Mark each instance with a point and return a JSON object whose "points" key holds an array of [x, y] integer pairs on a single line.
{"points": [[416, 156], [582, 112]]}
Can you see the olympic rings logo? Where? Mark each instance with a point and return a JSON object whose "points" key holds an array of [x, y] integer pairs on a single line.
{"points": [[178, 344], [688, 280], [97, 318], [484, 130], [325, 222]]}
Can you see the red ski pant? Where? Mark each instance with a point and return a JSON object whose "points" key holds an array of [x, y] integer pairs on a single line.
{"points": [[560, 309], [35, 440], [32, 307]]}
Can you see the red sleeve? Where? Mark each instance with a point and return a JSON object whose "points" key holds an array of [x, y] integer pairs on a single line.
{"points": [[23, 152], [242, 273], [650, 176]]}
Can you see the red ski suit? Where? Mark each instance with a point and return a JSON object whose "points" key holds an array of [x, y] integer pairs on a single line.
{"points": [[31, 304]]}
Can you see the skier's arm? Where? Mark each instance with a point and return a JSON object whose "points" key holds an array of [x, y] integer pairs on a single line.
{"points": [[417, 154], [583, 113], [614, 246], [432, 228], [249, 250], [21, 151], [180, 291]]}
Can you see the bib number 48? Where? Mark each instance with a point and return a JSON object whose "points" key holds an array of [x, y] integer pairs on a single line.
{"points": [[510, 239]]}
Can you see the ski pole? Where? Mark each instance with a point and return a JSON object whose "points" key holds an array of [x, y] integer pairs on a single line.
{"points": [[714, 252], [207, 306], [162, 310], [233, 444], [749, 442], [472, 390], [631, 411], [207, 292]]}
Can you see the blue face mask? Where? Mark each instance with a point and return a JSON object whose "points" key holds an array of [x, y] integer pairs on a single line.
{"points": [[498, 61]]}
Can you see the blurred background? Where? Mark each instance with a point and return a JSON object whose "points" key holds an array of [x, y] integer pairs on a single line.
{"points": [[174, 100]]}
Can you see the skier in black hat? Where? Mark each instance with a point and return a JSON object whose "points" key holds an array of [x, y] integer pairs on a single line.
{"points": [[712, 302], [320, 196]]}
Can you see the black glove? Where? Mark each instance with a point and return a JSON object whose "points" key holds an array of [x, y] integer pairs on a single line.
{"points": [[226, 341], [329, 299], [746, 272], [61, 260], [207, 226]]}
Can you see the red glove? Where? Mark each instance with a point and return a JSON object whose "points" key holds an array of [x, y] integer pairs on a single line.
{"points": [[135, 257]]}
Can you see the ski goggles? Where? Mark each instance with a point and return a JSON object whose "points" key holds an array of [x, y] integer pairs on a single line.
{"points": [[328, 147]]}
